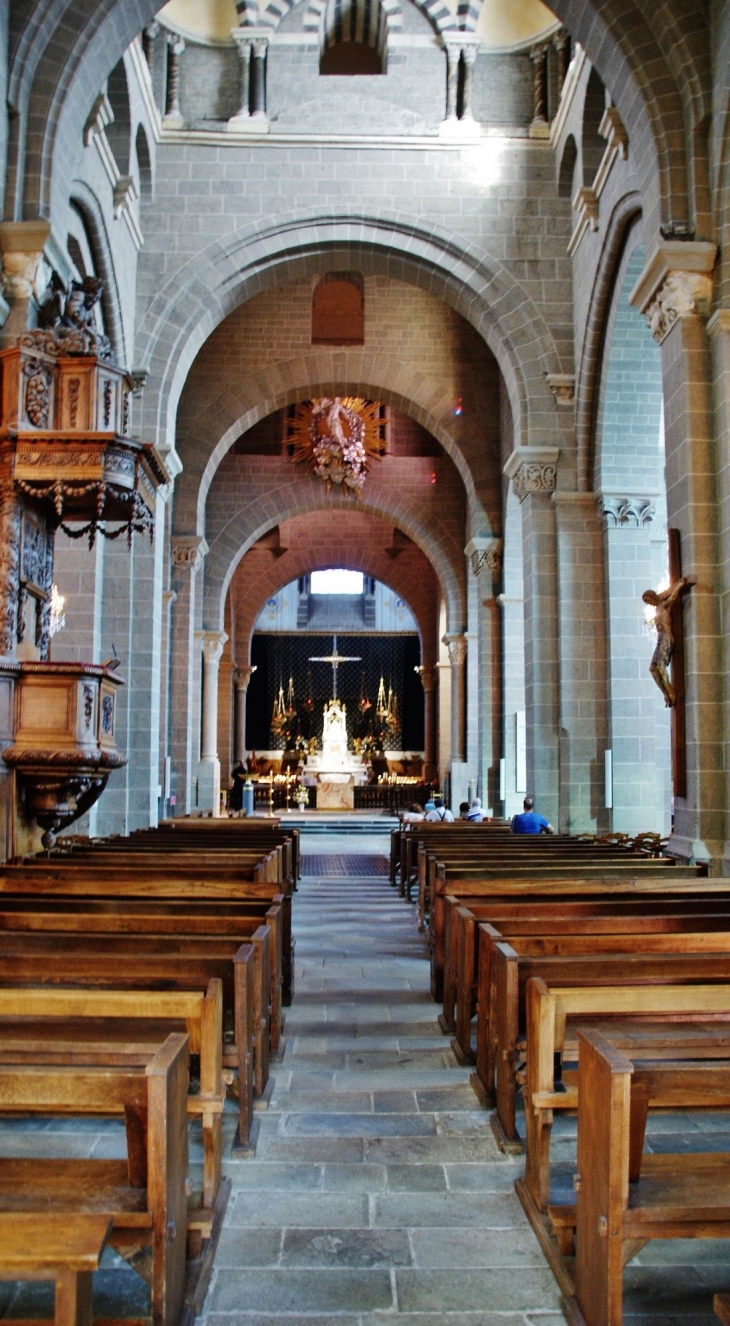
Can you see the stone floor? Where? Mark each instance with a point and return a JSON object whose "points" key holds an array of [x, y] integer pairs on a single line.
{"points": [[377, 1192]]}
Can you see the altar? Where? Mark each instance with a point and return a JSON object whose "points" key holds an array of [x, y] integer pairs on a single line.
{"points": [[336, 769]]}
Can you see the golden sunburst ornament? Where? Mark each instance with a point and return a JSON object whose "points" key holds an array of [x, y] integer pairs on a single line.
{"points": [[337, 437]]}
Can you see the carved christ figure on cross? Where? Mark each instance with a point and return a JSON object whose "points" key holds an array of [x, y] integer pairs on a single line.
{"points": [[334, 659]]}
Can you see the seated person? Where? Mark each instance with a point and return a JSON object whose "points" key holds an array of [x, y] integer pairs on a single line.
{"points": [[414, 814], [475, 814], [529, 822], [464, 810], [439, 812]]}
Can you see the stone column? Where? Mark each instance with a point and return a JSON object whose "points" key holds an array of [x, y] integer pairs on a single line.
{"points": [[469, 55], [212, 642], [675, 292], [539, 127], [241, 120], [719, 331], [209, 769], [582, 651], [24, 275], [259, 48], [561, 42], [485, 558], [533, 474], [428, 681], [627, 520], [456, 645], [188, 552], [168, 599], [148, 41], [172, 118], [241, 678], [453, 56]]}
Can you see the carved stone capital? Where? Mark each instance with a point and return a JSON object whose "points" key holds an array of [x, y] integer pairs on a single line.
{"points": [[676, 283], [242, 676], [562, 385], [619, 512], [456, 645], [259, 47], [25, 271], [126, 192], [212, 643], [428, 677], [682, 294], [532, 470], [176, 44], [485, 554], [188, 551]]}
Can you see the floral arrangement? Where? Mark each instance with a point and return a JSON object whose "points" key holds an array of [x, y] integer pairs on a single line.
{"points": [[337, 437], [300, 794]]}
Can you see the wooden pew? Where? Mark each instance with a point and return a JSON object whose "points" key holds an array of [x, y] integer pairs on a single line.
{"points": [[610, 915], [461, 940], [564, 879], [406, 841], [657, 1022], [512, 972], [243, 974], [63, 1248], [675, 1196], [125, 1027], [143, 1195]]}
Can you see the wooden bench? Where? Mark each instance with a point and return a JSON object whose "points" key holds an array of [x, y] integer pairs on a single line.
{"points": [[616, 970], [563, 880], [674, 1196], [63, 1248], [606, 916], [144, 1195], [106, 1028], [461, 940], [243, 975], [649, 1022]]}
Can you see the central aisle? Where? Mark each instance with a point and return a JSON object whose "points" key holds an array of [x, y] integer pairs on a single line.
{"points": [[376, 1187]]}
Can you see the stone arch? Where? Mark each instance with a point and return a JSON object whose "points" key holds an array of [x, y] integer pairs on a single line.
{"points": [[592, 145], [359, 374], [119, 131], [276, 10], [184, 313], [410, 576], [656, 67], [303, 495], [626, 214], [566, 168], [87, 205], [144, 164]]}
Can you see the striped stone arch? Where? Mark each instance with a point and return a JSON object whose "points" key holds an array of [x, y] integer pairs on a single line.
{"points": [[314, 17], [435, 10]]}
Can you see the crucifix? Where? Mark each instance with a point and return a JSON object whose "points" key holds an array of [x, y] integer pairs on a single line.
{"points": [[334, 659]]}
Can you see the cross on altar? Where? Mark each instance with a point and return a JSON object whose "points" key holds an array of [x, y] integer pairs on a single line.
{"points": [[334, 659]]}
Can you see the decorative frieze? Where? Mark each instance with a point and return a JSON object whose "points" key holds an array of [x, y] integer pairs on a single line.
{"points": [[532, 470], [620, 512]]}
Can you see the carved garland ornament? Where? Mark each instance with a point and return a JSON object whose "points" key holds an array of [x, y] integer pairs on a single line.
{"points": [[337, 437], [37, 393]]}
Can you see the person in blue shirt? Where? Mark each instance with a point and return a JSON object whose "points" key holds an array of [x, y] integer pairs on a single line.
{"points": [[529, 822]]}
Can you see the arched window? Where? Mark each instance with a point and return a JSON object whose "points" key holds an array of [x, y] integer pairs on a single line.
{"points": [[566, 174], [338, 310], [119, 132], [593, 145], [144, 165], [354, 37]]}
